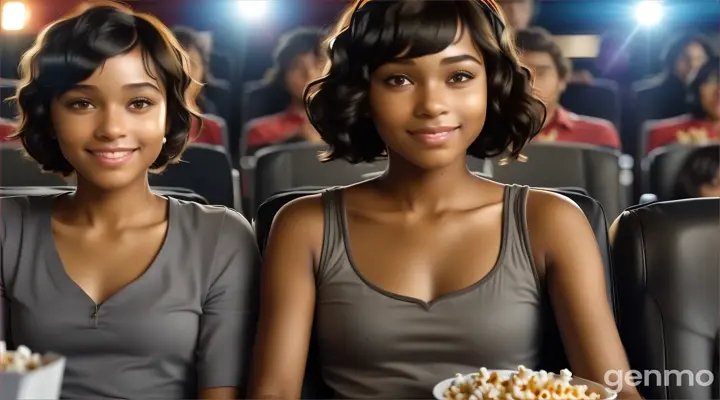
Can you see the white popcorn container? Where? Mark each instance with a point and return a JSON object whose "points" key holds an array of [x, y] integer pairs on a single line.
{"points": [[43, 383]]}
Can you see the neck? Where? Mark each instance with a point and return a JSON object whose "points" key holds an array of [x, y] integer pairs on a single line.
{"points": [[424, 191], [94, 206]]}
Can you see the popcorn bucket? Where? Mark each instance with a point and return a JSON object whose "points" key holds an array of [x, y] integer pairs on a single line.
{"points": [[42, 381]]}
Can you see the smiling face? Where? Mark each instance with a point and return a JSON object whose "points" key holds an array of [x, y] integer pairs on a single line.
{"points": [[430, 109], [110, 127]]}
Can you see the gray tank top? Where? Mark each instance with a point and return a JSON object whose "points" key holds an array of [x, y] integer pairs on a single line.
{"points": [[376, 344]]}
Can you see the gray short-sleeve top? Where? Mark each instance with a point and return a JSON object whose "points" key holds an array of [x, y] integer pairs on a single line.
{"points": [[186, 323]]}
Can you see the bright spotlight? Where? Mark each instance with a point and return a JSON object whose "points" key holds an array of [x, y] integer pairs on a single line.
{"points": [[14, 16], [253, 8], [649, 12]]}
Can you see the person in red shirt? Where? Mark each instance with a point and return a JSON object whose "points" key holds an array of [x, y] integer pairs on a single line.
{"points": [[702, 125], [298, 62], [551, 71]]}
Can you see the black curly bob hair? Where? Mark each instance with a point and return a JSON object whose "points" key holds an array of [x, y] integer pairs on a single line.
{"points": [[71, 49], [373, 32]]}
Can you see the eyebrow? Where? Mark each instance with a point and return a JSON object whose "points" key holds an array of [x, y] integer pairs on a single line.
{"points": [[444, 61], [129, 86]]}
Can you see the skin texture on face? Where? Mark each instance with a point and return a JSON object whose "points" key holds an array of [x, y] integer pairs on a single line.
{"points": [[710, 97], [111, 126], [518, 13], [547, 83], [447, 89], [304, 69]]}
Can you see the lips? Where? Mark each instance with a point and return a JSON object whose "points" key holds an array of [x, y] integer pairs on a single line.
{"points": [[113, 156], [435, 135], [433, 130]]}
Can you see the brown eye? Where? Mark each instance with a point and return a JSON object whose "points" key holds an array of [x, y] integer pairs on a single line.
{"points": [[80, 105], [139, 104], [397, 80], [460, 77]]}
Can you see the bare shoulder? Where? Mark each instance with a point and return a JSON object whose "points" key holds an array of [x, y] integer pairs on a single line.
{"points": [[560, 233], [304, 212], [299, 223], [552, 217], [543, 205]]}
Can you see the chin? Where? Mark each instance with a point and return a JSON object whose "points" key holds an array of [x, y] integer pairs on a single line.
{"points": [[432, 160], [112, 180]]}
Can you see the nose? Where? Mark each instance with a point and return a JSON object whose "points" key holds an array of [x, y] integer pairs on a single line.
{"points": [[113, 125], [431, 102]]}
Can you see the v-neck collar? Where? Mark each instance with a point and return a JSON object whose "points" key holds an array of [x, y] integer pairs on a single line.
{"points": [[58, 271]]}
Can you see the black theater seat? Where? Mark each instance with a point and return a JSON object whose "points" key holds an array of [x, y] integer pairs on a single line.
{"points": [[667, 275], [602, 172], [661, 167], [178, 193]]}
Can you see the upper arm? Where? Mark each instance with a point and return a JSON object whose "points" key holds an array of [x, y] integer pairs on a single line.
{"points": [[229, 310], [287, 299], [576, 283]]}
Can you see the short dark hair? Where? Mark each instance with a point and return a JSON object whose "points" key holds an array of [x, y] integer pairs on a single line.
{"points": [[189, 38], [711, 69], [379, 31], [539, 40], [71, 49], [700, 168], [292, 44]]}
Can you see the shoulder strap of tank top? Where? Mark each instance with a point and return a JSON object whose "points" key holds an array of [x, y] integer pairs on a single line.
{"points": [[518, 235], [333, 244]]}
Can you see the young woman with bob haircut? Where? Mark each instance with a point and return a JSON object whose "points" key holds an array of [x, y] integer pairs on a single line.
{"points": [[428, 270], [146, 296]]}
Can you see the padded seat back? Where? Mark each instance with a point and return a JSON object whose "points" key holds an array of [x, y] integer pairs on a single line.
{"points": [[661, 167], [597, 99], [667, 275], [204, 169], [178, 193], [18, 170], [595, 169]]}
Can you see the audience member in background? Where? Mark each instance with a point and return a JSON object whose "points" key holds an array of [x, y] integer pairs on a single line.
{"points": [[551, 71], [213, 126], [702, 124], [298, 61], [388, 274], [519, 13], [700, 174], [665, 95], [146, 296], [199, 56]]}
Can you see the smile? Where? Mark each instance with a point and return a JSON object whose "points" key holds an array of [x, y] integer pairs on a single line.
{"points": [[434, 135], [113, 157]]}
